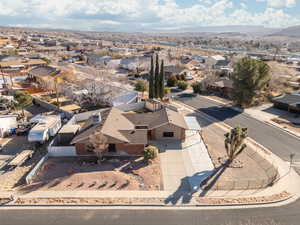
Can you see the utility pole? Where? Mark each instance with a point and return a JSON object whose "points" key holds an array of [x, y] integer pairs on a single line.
{"points": [[56, 91], [291, 160]]}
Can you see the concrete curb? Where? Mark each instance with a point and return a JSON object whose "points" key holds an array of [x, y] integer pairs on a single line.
{"points": [[269, 203], [249, 204]]}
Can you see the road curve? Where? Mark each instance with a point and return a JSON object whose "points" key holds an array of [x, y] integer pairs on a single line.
{"points": [[278, 141]]}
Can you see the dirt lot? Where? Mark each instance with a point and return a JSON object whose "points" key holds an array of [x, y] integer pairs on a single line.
{"points": [[10, 178], [255, 173], [76, 174]]}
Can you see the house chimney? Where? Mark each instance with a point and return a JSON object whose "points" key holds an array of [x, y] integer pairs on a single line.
{"points": [[96, 118]]}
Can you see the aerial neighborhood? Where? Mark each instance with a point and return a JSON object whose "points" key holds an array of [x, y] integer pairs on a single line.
{"points": [[125, 119]]}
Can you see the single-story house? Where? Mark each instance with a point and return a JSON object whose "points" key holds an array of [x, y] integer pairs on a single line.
{"points": [[24, 63], [289, 102], [129, 132], [173, 70], [217, 61], [222, 85], [43, 76]]}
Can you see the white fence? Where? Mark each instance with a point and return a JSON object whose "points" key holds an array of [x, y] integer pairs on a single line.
{"points": [[35, 170], [62, 151]]}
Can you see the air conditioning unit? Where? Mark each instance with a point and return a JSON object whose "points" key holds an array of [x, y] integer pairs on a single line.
{"points": [[96, 118]]}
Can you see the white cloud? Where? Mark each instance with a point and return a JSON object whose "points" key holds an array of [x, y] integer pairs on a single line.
{"points": [[140, 14], [206, 1], [280, 3]]}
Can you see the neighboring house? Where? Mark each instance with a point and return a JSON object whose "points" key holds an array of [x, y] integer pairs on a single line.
{"points": [[50, 43], [23, 64], [288, 102], [222, 86], [173, 70], [97, 59], [43, 76], [129, 132], [92, 92], [7, 124], [217, 61]]}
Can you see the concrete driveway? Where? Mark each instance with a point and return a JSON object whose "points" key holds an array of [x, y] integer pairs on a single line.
{"points": [[172, 165], [184, 165]]}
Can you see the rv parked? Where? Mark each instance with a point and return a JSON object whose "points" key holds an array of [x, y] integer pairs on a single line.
{"points": [[46, 127]]}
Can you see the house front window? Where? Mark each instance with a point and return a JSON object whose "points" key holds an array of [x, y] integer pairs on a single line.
{"points": [[168, 134], [141, 127]]}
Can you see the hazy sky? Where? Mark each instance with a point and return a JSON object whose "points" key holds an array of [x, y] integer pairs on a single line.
{"points": [[145, 15]]}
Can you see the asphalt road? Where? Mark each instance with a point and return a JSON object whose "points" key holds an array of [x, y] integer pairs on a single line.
{"points": [[278, 141], [286, 215]]}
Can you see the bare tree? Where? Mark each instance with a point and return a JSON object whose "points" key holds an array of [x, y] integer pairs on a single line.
{"points": [[98, 144]]}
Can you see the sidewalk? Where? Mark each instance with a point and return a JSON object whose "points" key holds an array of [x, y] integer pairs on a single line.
{"points": [[197, 161]]}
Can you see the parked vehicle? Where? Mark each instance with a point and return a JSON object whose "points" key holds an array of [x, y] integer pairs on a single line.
{"points": [[189, 77], [47, 127], [23, 129]]}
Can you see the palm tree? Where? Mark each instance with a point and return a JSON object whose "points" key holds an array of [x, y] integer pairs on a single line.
{"points": [[234, 142]]}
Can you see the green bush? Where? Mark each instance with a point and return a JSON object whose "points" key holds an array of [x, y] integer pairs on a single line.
{"points": [[197, 87], [150, 153], [172, 81], [141, 85], [182, 85]]}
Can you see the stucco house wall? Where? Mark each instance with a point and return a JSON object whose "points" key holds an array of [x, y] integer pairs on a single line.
{"points": [[132, 149], [158, 133]]}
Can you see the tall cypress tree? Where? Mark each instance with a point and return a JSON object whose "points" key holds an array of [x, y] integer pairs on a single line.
{"points": [[151, 79], [157, 78], [162, 81]]}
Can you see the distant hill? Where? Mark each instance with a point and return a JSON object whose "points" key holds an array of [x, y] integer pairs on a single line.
{"points": [[288, 32], [233, 30]]}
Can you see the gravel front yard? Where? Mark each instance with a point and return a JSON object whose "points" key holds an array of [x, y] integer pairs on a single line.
{"points": [[78, 174]]}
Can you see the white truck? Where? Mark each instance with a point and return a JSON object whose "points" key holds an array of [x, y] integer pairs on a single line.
{"points": [[46, 127]]}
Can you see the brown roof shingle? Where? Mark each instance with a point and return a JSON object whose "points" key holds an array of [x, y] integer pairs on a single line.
{"points": [[120, 127]]}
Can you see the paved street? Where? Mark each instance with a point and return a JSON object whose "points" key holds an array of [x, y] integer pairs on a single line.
{"points": [[286, 215], [278, 141]]}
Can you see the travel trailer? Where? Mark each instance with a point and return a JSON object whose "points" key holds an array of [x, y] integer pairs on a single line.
{"points": [[46, 127]]}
